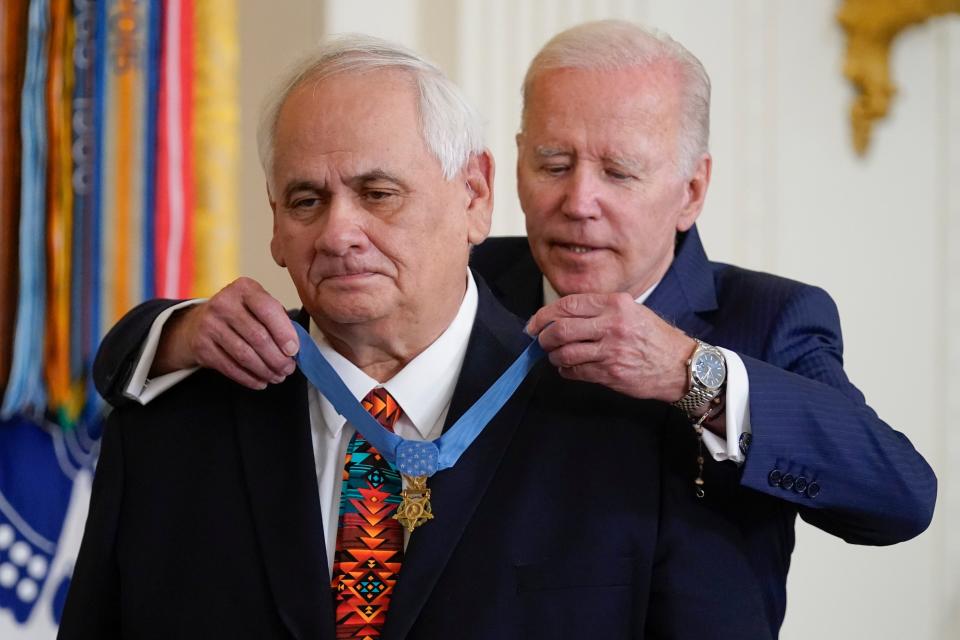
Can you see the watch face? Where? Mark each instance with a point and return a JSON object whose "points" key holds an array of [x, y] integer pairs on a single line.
{"points": [[710, 369]]}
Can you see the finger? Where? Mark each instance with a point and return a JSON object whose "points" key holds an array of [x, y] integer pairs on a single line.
{"points": [[258, 345], [566, 331], [219, 360], [577, 354], [579, 305], [589, 372], [236, 348], [274, 318]]}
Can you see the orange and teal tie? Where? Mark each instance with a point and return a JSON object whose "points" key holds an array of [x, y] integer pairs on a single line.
{"points": [[369, 540]]}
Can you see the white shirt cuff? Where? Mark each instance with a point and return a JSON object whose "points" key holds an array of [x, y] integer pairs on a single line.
{"points": [[141, 388], [737, 410]]}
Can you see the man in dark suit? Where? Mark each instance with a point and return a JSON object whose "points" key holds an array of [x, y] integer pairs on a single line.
{"points": [[211, 511], [613, 171]]}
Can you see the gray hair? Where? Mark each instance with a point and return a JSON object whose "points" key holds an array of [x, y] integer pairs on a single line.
{"points": [[450, 126], [617, 44]]}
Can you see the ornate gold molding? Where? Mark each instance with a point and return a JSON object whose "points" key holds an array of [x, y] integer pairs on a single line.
{"points": [[871, 27]]}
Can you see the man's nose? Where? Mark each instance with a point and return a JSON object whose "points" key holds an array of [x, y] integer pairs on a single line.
{"points": [[340, 230], [581, 195]]}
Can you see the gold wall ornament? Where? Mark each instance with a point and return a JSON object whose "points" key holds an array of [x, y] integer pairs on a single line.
{"points": [[871, 27]]}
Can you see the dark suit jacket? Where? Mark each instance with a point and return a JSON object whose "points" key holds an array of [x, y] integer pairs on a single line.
{"points": [[564, 519], [816, 447]]}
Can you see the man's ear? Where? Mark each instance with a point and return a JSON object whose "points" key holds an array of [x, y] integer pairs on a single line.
{"points": [[695, 193], [478, 176], [276, 250]]}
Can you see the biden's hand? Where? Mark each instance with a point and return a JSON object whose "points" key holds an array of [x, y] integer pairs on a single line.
{"points": [[611, 340], [243, 332]]}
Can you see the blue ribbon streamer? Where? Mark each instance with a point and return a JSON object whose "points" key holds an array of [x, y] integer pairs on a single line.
{"points": [[413, 457], [26, 390]]}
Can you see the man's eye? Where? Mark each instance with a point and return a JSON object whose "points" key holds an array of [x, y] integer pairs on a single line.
{"points": [[377, 196], [555, 169], [305, 203], [616, 175]]}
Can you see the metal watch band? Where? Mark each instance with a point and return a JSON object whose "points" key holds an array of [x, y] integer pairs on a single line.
{"points": [[696, 398], [698, 395]]}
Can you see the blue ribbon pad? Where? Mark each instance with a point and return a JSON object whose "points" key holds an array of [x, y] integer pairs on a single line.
{"points": [[416, 458]]}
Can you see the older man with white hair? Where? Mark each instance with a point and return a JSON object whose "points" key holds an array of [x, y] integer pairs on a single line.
{"points": [[613, 172], [393, 496]]}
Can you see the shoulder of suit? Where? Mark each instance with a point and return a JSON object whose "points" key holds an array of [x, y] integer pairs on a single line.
{"points": [[735, 283], [495, 255]]}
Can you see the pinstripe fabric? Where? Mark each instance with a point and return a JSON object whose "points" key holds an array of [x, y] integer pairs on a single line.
{"points": [[808, 420]]}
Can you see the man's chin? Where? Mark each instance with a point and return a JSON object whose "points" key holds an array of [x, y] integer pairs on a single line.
{"points": [[347, 317], [330, 311], [566, 283]]}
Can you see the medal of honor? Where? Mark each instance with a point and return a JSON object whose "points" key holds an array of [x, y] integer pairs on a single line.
{"points": [[416, 461], [415, 508]]}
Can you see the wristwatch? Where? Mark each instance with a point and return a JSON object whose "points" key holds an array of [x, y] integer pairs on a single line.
{"points": [[707, 375]]}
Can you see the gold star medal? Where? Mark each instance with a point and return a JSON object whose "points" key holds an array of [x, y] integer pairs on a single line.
{"points": [[415, 507], [416, 461]]}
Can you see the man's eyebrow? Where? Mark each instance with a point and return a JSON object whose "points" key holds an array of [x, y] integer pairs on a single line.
{"points": [[374, 175], [302, 185], [549, 152], [632, 165]]}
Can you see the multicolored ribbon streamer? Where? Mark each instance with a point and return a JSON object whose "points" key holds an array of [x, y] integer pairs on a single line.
{"points": [[123, 177], [216, 145], [25, 391], [59, 207], [13, 53], [113, 114], [174, 247], [84, 183]]}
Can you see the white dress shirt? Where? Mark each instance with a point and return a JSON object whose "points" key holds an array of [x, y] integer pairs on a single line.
{"points": [[738, 395]]}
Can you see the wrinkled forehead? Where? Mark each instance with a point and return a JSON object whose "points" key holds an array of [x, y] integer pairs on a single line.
{"points": [[365, 119], [651, 91], [629, 112], [358, 102]]}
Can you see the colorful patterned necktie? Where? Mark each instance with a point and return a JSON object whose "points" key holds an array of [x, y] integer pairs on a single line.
{"points": [[369, 540]]}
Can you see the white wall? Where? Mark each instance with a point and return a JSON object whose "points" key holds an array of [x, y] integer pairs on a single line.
{"points": [[882, 234]]}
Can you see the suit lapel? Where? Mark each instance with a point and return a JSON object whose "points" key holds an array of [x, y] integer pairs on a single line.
{"points": [[273, 429], [495, 341], [687, 289], [519, 287]]}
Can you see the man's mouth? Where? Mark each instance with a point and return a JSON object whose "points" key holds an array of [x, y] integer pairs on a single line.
{"points": [[576, 248], [342, 275], [348, 275]]}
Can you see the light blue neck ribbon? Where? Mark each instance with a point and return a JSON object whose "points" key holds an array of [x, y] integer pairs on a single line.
{"points": [[414, 457]]}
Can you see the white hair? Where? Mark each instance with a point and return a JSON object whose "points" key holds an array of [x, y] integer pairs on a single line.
{"points": [[609, 45], [450, 126]]}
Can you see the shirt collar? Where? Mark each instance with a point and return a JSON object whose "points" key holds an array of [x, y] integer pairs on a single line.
{"points": [[550, 294], [424, 387]]}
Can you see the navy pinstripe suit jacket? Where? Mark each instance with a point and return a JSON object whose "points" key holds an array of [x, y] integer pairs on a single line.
{"points": [[817, 449]]}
